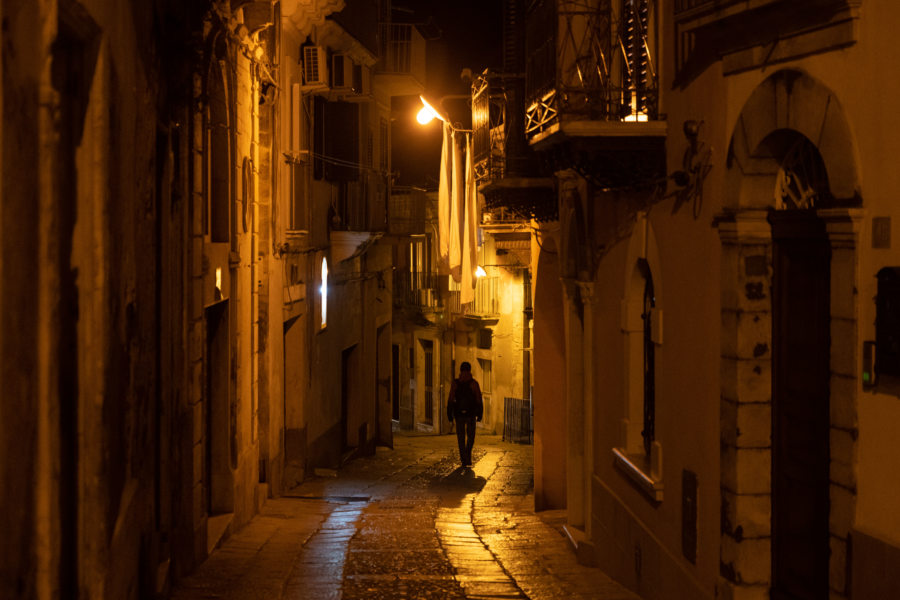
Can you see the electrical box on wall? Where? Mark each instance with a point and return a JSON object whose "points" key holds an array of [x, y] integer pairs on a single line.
{"points": [[887, 322]]}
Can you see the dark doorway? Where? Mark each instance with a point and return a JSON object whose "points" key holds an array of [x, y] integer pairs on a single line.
{"points": [[428, 380], [800, 415], [350, 393], [72, 70], [218, 476], [395, 382], [383, 387]]}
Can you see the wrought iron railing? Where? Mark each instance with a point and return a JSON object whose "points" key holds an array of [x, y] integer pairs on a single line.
{"points": [[406, 211], [402, 49], [517, 421], [416, 289], [360, 205], [595, 61], [487, 298]]}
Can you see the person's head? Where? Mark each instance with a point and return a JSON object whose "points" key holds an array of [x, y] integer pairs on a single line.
{"points": [[465, 370]]}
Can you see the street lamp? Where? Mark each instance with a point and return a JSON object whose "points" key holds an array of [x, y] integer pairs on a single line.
{"points": [[428, 113]]}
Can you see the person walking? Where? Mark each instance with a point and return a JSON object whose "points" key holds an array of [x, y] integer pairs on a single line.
{"points": [[465, 406]]}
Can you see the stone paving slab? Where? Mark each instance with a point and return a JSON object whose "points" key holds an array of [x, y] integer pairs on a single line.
{"points": [[405, 523]]}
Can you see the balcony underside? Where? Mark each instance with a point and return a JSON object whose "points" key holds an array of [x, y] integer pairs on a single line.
{"points": [[400, 84], [612, 155], [526, 197]]}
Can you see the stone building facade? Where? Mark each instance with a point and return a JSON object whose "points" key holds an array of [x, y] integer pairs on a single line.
{"points": [[189, 264], [724, 252]]}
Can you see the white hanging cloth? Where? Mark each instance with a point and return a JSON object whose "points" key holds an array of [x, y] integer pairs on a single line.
{"points": [[470, 228], [444, 196]]}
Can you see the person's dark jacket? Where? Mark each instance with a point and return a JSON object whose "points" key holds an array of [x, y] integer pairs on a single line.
{"points": [[465, 400]]}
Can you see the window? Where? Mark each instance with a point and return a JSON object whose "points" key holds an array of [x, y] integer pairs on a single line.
{"points": [[649, 303], [638, 44], [383, 145], [219, 157], [299, 218], [487, 374], [485, 338], [323, 292], [639, 456]]}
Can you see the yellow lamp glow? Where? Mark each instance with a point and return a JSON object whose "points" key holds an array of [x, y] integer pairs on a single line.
{"points": [[428, 113], [425, 116], [480, 272]]}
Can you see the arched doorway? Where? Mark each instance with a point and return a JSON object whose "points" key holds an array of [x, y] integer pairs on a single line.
{"points": [[801, 286], [788, 290]]}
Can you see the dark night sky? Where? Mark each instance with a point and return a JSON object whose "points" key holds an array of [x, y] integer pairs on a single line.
{"points": [[469, 37]]}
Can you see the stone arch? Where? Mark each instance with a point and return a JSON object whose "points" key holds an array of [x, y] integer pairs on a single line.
{"points": [[788, 108], [789, 101]]}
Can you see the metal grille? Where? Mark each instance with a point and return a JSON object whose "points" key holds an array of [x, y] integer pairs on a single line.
{"points": [[416, 289], [517, 418], [487, 298], [601, 67], [406, 212]]}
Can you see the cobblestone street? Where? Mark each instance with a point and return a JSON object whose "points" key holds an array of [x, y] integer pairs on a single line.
{"points": [[406, 523]]}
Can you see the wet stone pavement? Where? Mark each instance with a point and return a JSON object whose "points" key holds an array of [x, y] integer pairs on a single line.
{"points": [[405, 523]]}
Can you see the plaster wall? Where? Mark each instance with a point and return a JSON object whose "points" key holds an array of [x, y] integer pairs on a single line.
{"points": [[861, 494], [549, 396]]}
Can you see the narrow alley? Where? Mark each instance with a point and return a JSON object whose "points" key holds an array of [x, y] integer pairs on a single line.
{"points": [[406, 523], [259, 259]]}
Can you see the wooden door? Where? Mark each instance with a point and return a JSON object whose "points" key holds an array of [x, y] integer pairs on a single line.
{"points": [[800, 435]]}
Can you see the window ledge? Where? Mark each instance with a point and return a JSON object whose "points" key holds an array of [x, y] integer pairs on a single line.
{"points": [[637, 468]]}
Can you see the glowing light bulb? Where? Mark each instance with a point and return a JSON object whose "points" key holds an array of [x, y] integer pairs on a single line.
{"points": [[428, 112], [425, 116], [480, 272]]}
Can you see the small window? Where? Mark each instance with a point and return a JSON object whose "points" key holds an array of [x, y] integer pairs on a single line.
{"points": [[485, 338], [323, 292], [297, 193], [649, 431], [487, 375]]}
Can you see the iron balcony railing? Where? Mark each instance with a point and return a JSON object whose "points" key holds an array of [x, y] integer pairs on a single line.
{"points": [[416, 289], [487, 298], [595, 60], [407, 211], [402, 49], [517, 421], [361, 205]]}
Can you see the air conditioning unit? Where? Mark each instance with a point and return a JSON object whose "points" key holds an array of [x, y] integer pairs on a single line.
{"points": [[342, 73], [315, 67]]}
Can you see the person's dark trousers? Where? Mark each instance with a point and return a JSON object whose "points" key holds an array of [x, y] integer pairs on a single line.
{"points": [[465, 435]]}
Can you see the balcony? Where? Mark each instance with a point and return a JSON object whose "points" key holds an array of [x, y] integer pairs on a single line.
{"points": [[504, 165], [417, 290], [360, 205], [592, 89], [401, 64], [487, 300], [746, 35], [406, 211]]}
